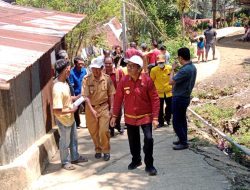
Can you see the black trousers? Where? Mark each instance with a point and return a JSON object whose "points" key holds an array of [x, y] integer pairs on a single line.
{"points": [[135, 143], [168, 110], [180, 105], [77, 116]]}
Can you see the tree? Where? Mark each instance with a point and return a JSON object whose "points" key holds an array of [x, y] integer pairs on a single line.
{"points": [[98, 12], [214, 12], [183, 6]]}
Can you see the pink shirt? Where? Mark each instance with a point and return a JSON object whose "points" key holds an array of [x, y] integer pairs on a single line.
{"points": [[132, 51], [152, 57]]}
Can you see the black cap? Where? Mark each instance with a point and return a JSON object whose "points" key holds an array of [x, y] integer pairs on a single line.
{"points": [[60, 65]]}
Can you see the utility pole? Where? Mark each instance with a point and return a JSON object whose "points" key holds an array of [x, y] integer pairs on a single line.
{"points": [[124, 36]]}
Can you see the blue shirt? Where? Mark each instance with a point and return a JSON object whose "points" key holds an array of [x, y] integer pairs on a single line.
{"points": [[184, 80], [200, 45], [76, 78]]}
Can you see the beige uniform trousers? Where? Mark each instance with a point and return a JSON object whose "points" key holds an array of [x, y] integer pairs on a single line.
{"points": [[99, 129]]}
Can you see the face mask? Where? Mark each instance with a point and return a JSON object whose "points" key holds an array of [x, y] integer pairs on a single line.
{"points": [[161, 65]]}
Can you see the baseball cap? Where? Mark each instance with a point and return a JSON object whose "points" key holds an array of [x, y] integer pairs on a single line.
{"points": [[161, 58], [96, 63], [60, 65], [136, 60]]}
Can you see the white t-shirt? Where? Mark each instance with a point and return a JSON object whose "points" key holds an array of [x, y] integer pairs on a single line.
{"points": [[167, 57], [62, 99]]}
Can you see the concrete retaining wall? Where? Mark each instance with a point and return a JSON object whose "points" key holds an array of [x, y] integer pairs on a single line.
{"points": [[28, 167]]}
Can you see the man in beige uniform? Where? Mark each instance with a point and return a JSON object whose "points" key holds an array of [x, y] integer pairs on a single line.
{"points": [[98, 90]]}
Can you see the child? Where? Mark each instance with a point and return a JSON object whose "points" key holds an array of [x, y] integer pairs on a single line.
{"points": [[200, 49]]}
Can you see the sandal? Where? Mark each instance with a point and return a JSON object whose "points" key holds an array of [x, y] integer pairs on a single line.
{"points": [[79, 160], [68, 166]]}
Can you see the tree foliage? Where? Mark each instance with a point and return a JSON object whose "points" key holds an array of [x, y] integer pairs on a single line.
{"points": [[146, 19], [157, 18], [98, 12]]}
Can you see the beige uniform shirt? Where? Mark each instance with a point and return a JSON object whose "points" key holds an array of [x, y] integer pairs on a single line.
{"points": [[61, 100], [98, 91]]}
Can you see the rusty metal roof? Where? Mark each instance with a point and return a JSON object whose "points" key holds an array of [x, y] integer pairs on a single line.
{"points": [[27, 33]]}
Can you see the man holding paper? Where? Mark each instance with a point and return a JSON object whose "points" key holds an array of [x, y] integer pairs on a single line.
{"points": [[98, 91], [64, 117]]}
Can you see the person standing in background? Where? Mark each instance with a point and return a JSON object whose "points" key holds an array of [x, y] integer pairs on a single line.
{"points": [[115, 75], [183, 83], [160, 76], [210, 40], [152, 55], [144, 53], [132, 50], [200, 49], [164, 51], [76, 76]]}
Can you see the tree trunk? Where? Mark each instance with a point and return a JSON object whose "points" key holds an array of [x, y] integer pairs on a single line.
{"points": [[214, 12]]}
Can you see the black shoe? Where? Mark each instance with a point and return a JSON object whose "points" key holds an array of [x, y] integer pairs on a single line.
{"points": [[112, 133], [133, 165], [121, 131], [160, 125], [180, 147], [98, 155], [79, 160], [176, 142], [168, 123], [151, 170], [106, 157]]}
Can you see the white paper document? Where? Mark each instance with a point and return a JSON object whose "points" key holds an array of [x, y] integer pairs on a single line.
{"points": [[78, 101]]}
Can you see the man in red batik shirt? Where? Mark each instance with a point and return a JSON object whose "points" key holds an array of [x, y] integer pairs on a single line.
{"points": [[141, 106], [115, 75]]}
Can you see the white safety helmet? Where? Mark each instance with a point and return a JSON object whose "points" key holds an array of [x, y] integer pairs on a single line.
{"points": [[96, 63], [136, 60]]}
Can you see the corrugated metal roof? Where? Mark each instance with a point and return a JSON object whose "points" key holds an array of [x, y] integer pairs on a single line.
{"points": [[27, 33]]}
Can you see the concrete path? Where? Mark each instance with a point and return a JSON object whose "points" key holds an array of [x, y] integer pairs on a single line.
{"points": [[207, 69], [177, 170]]}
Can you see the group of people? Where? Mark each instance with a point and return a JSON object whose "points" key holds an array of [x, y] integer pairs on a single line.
{"points": [[136, 83], [205, 43]]}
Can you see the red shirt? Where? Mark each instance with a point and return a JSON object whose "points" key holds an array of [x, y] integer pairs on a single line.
{"points": [[141, 101], [116, 76], [132, 51], [152, 57]]}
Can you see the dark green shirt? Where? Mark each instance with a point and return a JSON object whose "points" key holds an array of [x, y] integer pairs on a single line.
{"points": [[185, 80]]}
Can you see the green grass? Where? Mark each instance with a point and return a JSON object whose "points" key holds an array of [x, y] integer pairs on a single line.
{"points": [[198, 123], [199, 94], [242, 135], [214, 113]]}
